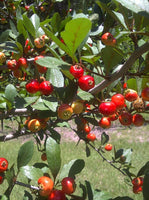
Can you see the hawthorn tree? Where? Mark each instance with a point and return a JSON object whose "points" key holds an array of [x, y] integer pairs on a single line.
{"points": [[64, 61]]}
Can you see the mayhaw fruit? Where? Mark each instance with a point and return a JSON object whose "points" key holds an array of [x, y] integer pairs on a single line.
{"points": [[12, 64], [65, 111], [78, 106], [3, 164], [2, 57], [108, 39], [139, 104], [68, 185], [39, 43], [46, 88], [130, 95], [125, 86], [137, 181], [34, 125], [125, 118], [43, 123], [41, 69], [1, 178], [57, 195], [44, 156], [77, 71], [113, 117], [32, 86], [46, 185], [105, 122], [137, 189], [122, 159], [86, 82], [91, 137], [108, 147], [87, 128], [145, 94], [17, 73], [22, 62], [107, 108], [27, 7], [119, 101], [138, 120]]}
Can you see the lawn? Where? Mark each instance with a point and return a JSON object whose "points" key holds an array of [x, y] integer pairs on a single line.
{"points": [[100, 174]]}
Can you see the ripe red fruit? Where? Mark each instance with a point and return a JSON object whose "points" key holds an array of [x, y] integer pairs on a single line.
{"points": [[33, 86], [108, 147], [86, 82], [138, 120], [46, 88], [87, 128], [22, 62], [107, 108], [3, 164], [1, 178], [138, 181], [57, 195], [91, 137], [27, 8], [137, 189], [119, 101], [108, 39], [65, 111], [105, 122], [41, 69], [130, 95], [77, 71], [39, 43], [68, 185], [12, 64], [113, 117], [125, 119], [124, 85], [46, 185], [145, 94]]}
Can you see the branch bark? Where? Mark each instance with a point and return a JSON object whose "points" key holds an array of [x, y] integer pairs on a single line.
{"points": [[126, 66]]}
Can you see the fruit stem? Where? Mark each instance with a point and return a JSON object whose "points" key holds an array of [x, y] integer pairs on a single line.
{"points": [[27, 185]]}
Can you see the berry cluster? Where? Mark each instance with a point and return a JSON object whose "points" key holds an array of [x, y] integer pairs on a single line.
{"points": [[3, 168]]}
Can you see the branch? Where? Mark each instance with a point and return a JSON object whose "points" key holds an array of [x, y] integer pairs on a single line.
{"points": [[126, 66]]}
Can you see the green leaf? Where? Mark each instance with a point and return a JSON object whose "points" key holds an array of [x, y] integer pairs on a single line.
{"points": [[51, 103], [25, 154], [101, 195], [10, 92], [140, 7], [132, 84], [104, 138], [27, 196], [53, 153], [72, 168], [35, 21], [146, 186], [91, 59], [10, 174], [51, 62], [56, 77], [31, 172], [111, 57], [29, 26], [86, 96], [75, 32], [143, 169], [30, 100], [21, 28]]}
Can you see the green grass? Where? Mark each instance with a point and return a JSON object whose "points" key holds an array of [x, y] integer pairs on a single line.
{"points": [[100, 174]]}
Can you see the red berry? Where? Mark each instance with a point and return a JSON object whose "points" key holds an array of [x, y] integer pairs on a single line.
{"points": [[91, 137], [130, 95], [105, 122], [22, 62], [12, 64], [1, 178], [113, 117], [108, 39], [3, 164], [86, 82], [77, 71], [68, 185], [46, 185], [124, 85], [57, 195], [33, 86], [145, 94], [137, 189], [138, 120], [46, 88], [41, 69], [108, 147], [138, 181], [119, 101], [107, 108], [125, 119], [27, 8], [87, 128]]}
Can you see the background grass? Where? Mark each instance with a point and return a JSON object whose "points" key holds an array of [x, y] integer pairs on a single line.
{"points": [[100, 174]]}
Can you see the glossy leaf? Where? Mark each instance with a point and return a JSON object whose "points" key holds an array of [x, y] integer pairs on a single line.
{"points": [[104, 138], [75, 32], [85, 95], [55, 77], [10, 92], [31, 172], [143, 169], [53, 153], [35, 21], [146, 186], [25, 154], [29, 26]]}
